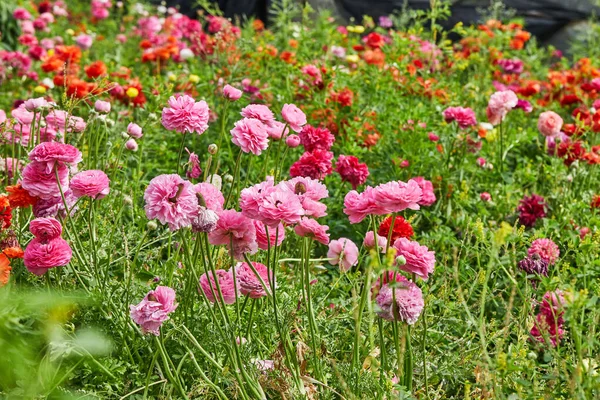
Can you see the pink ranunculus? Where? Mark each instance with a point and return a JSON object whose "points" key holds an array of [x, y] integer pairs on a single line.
{"points": [[250, 285], [102, 106], [294, 117], [231, 93], [550, 124], [464, 117], [21, 14], [22, 115], [315, 164], [259, 112], [292, 141], [357, 206], [252, 197], [47, 250], [235, 231], [50, 154], [172, 200], [274, 238], [209, 196], [154, 309], [397, 196], [428, 194], [185, 115], [546, 249], [134, 130], [250, 135], [91, 183], [40, 182], [83, 41], [309, 192], [419, 260], [37, 104], [224, 282], [308, 227], [369, 242], [500, 104], [485, 196], [277, 130], [343, 252], [409, 301], [55, 206], [280, 205], [205, 221], [131, 145], [316, 138]]}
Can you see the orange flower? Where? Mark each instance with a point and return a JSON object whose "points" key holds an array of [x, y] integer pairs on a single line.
{"points": [[5, 212], [95, 69], [13, 252], [19, 197], [69, 54], [258, 25], [4, 270]]}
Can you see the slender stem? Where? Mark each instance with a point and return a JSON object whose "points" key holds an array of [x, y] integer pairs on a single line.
{"points": [[181, 146]]}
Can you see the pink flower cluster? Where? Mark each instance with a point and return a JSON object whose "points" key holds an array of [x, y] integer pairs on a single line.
{"points": [[464, 117], [408, 301], [47, 249], [154, 309], [317, 159], [185, 115]]}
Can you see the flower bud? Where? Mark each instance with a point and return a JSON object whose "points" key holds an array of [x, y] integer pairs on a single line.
{"points": [[212, 149], [400, 260], [228, 178], [127, 200], [151, 225]]}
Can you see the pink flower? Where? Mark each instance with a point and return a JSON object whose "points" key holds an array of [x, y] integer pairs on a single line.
{"points": [[294, 117], [251, 198], [91, 183], [344, 253], [184, 114], [231, 93], [102, 106], [433, 137], [280, 205], [397, 196], [131, 145], [351, 170], [250, 285], [409, 301], [428, 195], [36, 104], [419, 260], [84, 41], [316, 138], [550, 124], [40, 182], [193, 166], [369, 242], [57, 119], [154, 309], [233, 228], [309, 192], [171, 200], [485, 196], [358, 205], [500, 104], [224, 284], [277, 130], [259, 112], [511, 66], [55, 153], [316, 164], [134, 130], [464, 117], [250, 135], [292, 141], [54, 206], [546, 249], [209, 196], [308, 227], [47, 250], [21, 14], [275, 237]]}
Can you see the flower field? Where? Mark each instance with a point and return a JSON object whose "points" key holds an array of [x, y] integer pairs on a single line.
{"points": [[214, 209]]}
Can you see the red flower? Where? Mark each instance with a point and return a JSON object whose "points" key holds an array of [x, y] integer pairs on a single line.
{"points": [[351, 170], [374, 40], [315, 165], [530, 209], [96, 69], [570, 151], [5, 212], [595, 202], [402, 228]]}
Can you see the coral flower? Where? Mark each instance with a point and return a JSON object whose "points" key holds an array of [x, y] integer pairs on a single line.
{"points": [[409, 301], [343, 252], [419, 260], [154, 309], [19, 197], [308, 227], [4, 269], [235, 231], [250, 285], [546, 249], [185, 115], [91, 183], [225, 283], [250, 135], [171, 200], [47, 250], [351, 170]]}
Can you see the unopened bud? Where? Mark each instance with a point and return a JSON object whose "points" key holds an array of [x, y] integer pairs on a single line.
{"points": [[213, 148], [127, 200], [152, 225], [228, 178], [400, 260]]}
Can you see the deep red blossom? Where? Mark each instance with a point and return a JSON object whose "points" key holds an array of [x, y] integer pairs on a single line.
{"points": [[315, 164], [571, 151], [402, 228], [531, 209], [316, 138], [351, 170]]}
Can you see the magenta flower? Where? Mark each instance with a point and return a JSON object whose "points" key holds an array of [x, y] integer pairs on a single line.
{"points": [[315, 165], [351, 170], [250, 285], [184, 115], [42, 183], [419, 260], [259, 112], [428, 194], [154, 309], [55, 153], [464, 117], [172, 200], [546, 249], [343, 252], [47, 250], [531, 209], [193, 166], [225, 284], [250, 135], [235, 231], [409, 301], [293, 116], [91, 183], [275, 237], [308, 227], [316, 138]]}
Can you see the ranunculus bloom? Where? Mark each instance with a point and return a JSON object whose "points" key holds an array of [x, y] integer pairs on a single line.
{"points": [[53, 153], [351, 170], [184, 114], [250, 135], [172, 200], [309, 192], [531, 209], [131, 145], [92, 183], [500, 104], [250, 285], [280, 205], [343, 252], [259, 112], [409, 301], [428, 195], [225, 284], [102, 106], [134, 130], [231, 93], [308, 227], [369, 242], [47, 250], [419, 260], [84, 41], [42, 183], [205, 221], [252, 197], [292, 141], [315, 164], [154, 309], [277, 130], [294, 117], [275, 237], [546, 249], [55, 206], [397, 196], [357, 206], [550, 124], [316, 138], [235, 229], [209, 196], [464, 117]]}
